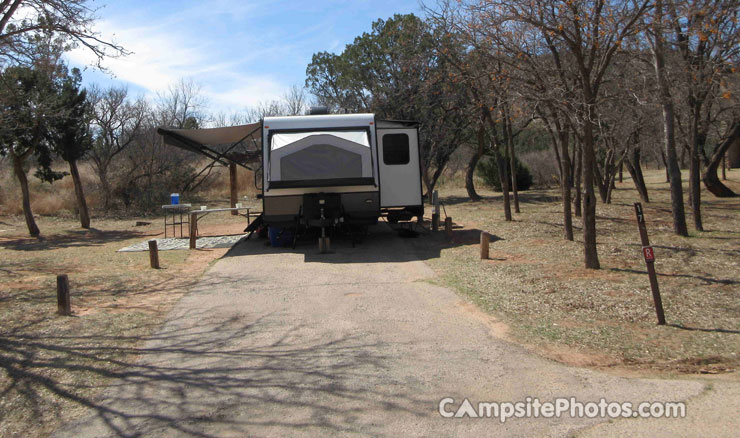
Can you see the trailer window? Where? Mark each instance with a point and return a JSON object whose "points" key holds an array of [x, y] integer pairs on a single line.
{"points": [[396, 149]]}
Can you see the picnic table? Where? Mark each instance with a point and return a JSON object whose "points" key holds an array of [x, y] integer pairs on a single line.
{"points": [[196, 214]]}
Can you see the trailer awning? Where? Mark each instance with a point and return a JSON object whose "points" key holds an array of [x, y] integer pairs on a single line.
{"points": [[236, 144]]}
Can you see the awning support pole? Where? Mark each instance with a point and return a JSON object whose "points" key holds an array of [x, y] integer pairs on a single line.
{"points": [[233, 187]]}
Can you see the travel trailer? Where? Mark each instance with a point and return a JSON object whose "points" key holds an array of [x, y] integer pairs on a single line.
{"points": [[350, 168]]}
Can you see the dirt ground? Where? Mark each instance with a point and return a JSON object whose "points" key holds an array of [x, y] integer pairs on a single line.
{"points": [[535, 280], [52, 366]]}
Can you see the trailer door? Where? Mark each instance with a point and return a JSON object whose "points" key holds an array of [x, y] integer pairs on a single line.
{"points": [[400, 173]]}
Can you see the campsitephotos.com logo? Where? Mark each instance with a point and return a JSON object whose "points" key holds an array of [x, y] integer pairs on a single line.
{"points": [[558, 407]]}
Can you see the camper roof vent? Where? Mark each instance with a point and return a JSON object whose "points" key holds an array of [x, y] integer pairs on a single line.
{"points": [[317, 110]]}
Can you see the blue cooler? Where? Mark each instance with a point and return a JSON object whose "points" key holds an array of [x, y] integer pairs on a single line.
{"points": [[175, 198]]}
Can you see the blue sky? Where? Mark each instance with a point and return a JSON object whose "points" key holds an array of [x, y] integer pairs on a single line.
{"points": [[240, 52]]}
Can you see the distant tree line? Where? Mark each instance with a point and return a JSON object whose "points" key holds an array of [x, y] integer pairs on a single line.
{"points": [[613, 84]]}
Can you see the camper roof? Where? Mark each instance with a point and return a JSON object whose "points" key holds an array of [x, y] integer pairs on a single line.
{"points": [[319, 121]]}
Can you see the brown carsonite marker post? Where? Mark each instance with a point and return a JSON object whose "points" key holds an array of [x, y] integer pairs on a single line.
{"points": [[153, 254], [649, 255], [485, 238], [448, 226], [64, 307]]}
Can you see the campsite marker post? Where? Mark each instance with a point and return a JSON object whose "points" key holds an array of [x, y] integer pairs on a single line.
{"points": [[64, 307], [153, 254], [649, 255], [435, 215], [485, 238], [448, 227]]}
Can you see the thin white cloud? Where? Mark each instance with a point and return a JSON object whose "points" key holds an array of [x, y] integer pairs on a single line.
{"points": [[160, 57]]}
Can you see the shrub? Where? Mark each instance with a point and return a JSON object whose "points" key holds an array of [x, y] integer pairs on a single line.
{"points": [[543, 166], [488, 171]]}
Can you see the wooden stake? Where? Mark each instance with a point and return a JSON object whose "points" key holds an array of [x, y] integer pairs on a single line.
{"points": [[435, 222], [233, 187], [448, 226], [485, 238], [193, 229], [153, 254], [64, 307], [649, 256]]}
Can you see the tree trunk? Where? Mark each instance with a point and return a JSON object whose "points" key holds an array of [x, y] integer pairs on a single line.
{"points": [[470, 171], [81, 203], [504, 178], [577, 203], [557, 158], [724, 167], [711, 181], [669, 139], [621, 172], [635, 170], [665, 166], [20, 173], [694, 168], [500, 162], [430, 183], [105, 185], [512, 158], [591, 256], [565, 185], [612, 180], [600, 182]]}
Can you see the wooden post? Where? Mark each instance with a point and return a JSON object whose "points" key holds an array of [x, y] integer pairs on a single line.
{"points": [[649, 256], [153, 254], [233, 187], [193, 229], [448, 226], [485, 238], [64, 307], [435, 215]]}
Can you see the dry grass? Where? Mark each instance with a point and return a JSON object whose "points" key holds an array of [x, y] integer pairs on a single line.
{"points": [[535, 281], [53, 366], [58, 199]]}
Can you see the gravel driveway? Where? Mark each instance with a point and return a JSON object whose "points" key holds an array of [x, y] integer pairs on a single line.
{"points": [[279, 342]]}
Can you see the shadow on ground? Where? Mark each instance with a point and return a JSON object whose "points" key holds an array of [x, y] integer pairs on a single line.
{"points": [[69, 239], [427, 245], [181, 374]]}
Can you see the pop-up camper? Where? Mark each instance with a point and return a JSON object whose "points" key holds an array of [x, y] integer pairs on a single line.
{"points": [[322, 170], [362, 167]]}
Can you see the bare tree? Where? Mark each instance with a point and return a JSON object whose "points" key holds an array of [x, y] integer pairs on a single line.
{"points": [[23, 22], [669, 136], [295, 100], [181, 105], [116, 122]]}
